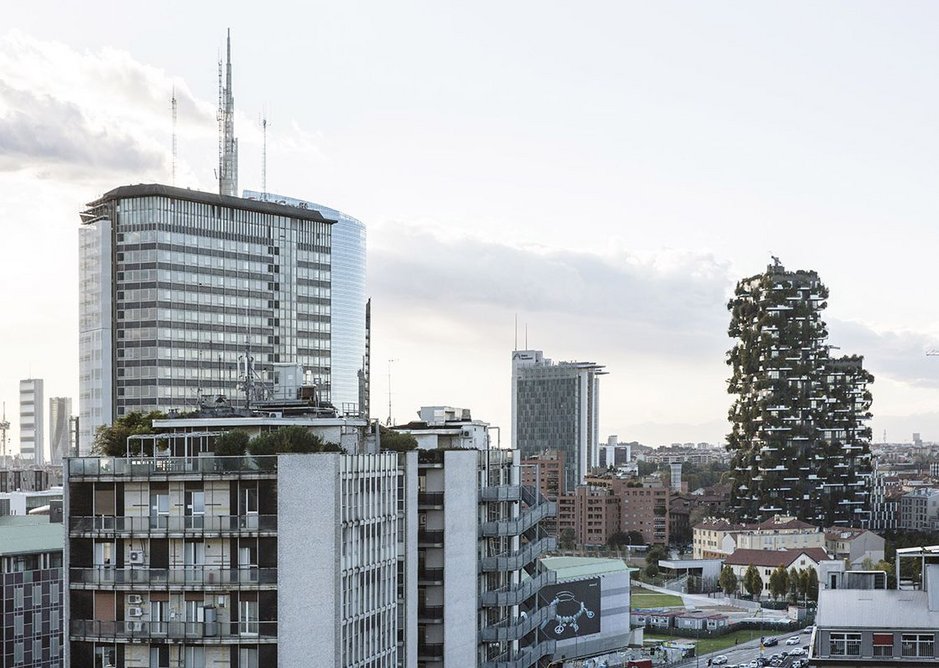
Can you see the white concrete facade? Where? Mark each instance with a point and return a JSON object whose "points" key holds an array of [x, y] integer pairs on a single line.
{"points": [[32, 419]]}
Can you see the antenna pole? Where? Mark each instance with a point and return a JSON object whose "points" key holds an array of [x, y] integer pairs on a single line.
{"points": [[390, 419], [264, 158], [173, 103]]}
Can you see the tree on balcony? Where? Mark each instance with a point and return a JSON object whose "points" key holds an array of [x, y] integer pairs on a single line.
{"points": [[111, 440]]}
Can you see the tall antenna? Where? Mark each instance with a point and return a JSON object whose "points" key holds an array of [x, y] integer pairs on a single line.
{"points": [[4, 426], [173, 103], [227, 144], [390, 419], [264, 157]]}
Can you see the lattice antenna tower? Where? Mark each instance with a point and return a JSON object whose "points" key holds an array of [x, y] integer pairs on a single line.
{"points": [[264, 156], [173, 105], [227, 144], [4, 427]]}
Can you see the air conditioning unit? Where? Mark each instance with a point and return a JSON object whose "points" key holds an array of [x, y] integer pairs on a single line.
{"points": [[137, 626], [134, 599], [135, 611], [136, 556]]}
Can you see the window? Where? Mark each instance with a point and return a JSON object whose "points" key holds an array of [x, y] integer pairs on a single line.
{"points": [[883, 644], [844, 644], [917, 644], [248, 657], [159, 511]]}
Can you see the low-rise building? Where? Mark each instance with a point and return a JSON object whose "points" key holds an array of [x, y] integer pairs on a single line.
{"points": [[855, 545], [919, 510], [766, 561], [31, 589]]}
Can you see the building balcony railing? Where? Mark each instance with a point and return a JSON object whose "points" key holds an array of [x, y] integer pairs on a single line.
{"points": [[520, 593], [518, 628], [429, 651], [430, 538], [94, 630], [199, 525], [430, 576], [184, 577], [158, 467], [519, 525], [500, 493], [528, 656], [513, 561], [430, 499], [432, 614]]}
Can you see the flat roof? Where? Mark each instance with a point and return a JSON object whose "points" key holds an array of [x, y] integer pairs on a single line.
{"points": [[160, 190], [869, 608], [575, 568], [29, 535], [235, 421]]}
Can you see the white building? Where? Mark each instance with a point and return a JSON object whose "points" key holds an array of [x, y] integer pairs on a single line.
{"points": [[60, 411], [32, 438], [555, 406]]}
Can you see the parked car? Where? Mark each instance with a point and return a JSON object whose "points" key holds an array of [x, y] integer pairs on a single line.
{"points": [[770, 642], [719, 660], [808, 629], [799, 651], [794, 640]]}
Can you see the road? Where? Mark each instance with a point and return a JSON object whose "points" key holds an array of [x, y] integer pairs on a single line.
{"points": [[746, 652]]}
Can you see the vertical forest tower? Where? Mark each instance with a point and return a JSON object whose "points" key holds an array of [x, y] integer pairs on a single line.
{"points": [[799, 440]]}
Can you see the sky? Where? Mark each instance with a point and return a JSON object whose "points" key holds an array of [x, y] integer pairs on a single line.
{"points": [[602, 172]]}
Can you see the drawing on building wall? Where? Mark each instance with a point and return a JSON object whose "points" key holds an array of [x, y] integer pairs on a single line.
{"points": [[576, 609]]}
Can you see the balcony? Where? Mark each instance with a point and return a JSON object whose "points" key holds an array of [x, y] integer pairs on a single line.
{"points": [[500, 493], [165, 468], [430, 576], [216, 633], [207, 578], [514, 561], [516, 629], [123, 526], [430, 538], [430, 652], [430, 614], [529, 656], [520, 593], [430, 500], [519, 525]]}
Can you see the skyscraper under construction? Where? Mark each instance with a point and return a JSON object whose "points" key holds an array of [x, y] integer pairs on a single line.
{"points": [[799, 438]]}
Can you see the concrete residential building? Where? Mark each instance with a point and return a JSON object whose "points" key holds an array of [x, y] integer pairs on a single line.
{"points": [[919, 510], [716, 538], [555, 406], [766, 561], [479, 538], [31, 589], [179, 286], [60, 411], [592, 513], [32, 434], [191, 559], [545, 470], [854, 545]]}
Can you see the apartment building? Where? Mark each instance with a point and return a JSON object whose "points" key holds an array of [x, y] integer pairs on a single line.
{"points": [[766, 561], [545, 470], [717, 538], [31, 589], [854, 545], [592, 513], [919, 510]]}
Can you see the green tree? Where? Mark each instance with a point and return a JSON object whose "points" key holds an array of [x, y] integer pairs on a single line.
{"points": [[728, 580], [293, 439], [811, 585], [396, 440], [778, 582], [111, 440], [655, 553], [752, 582], [652, 569], [568, 539], [232, 443], [621, 538], [794, 581]]}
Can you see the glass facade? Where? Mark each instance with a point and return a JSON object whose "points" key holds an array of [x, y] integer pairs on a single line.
{"points": [[198, 280]]}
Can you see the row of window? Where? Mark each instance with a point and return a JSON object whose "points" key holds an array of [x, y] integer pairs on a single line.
{"points": [[912, 645]]}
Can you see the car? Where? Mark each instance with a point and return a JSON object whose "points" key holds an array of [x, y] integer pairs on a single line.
{"points": [[753, 664], [799, 652], [719, 660], [794, 640], [808, 629], [770, 642]]}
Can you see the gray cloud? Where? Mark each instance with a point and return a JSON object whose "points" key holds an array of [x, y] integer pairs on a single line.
{"points": [[897, 355], [42, 132]]}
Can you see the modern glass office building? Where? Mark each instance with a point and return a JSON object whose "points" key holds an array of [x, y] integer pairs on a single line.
{"points": [[180, 287], [349, 387]]}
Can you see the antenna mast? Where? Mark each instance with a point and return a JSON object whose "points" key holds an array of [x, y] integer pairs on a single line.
{"points": [[227, 144], [264, 158], [173, 104], [4, 426], [390, 419]]}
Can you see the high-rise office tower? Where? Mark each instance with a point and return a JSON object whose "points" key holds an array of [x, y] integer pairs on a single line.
{"points": [[31, 420], [180, 288], [799, 440], [60, 410], [349, 374], [555, 406]]}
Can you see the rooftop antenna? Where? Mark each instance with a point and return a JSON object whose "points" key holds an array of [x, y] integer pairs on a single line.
{"points": [[173, 104], [264, 157], [227, 144], [4, 427], [390, 419], [516, 331], [526, 336]]}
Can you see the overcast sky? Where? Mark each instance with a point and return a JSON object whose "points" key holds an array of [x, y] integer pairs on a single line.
{"points": [[606, 171]]}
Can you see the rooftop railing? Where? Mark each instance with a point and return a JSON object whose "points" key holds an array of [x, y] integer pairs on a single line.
{"points": [[168, 524], [106, 467], [196, 577], [205, 632]]}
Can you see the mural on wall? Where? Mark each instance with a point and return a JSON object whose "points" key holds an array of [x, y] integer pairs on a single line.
{"points": [[576, 609]]}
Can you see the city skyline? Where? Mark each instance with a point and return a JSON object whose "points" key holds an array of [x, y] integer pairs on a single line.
{"points": [[609, 193]]}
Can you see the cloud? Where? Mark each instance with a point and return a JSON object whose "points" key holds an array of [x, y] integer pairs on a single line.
{"points": [[900, 355], [679, 296]]}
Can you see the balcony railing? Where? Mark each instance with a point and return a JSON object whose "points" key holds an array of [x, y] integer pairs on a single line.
{"points": [[519, 525], [146, 467], [205, 632], [430, 576], [430, 538], [529, 656], [515, 629], [500, 493], [513, 561], [431, 651], [168, 524], [519, 593], [430, 613], [430, 499], [196, 577]]}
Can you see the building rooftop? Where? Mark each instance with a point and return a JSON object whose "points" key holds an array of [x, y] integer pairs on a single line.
{"points": [[852, 608], [29, 535], [773, 558], [575, 568], [779, 522], [844, 533]]}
